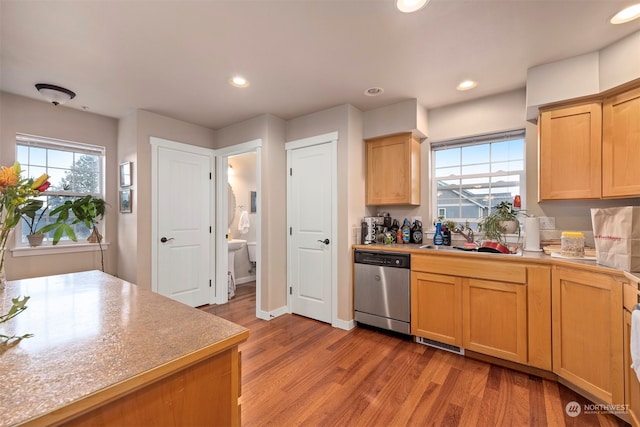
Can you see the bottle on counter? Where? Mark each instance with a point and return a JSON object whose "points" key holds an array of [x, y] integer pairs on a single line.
{"points": [[395, 226], [438, 238], [446, 236], [416, 232], [406, 231]]}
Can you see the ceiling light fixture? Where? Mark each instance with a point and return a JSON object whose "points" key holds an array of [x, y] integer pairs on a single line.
{"points": [[466, 85], [409, 6], [374, 91], [627, 14], [55, 94], [238, 81]]}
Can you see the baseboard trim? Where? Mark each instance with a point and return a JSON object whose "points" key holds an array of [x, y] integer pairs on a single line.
{"points": [[347, 325], [268, 315], [247, 279]]}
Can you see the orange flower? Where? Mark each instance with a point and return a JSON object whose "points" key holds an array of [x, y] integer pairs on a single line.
{"points": [[8, 177]]}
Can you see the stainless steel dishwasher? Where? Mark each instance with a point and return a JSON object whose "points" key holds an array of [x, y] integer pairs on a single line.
{"points": [[382, 289]]}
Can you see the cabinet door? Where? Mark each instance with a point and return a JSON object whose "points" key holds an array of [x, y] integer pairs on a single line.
{"points": [[621, 145], [494, 319], [587, 332], [436, 306], [570, 153], [393, 170]]}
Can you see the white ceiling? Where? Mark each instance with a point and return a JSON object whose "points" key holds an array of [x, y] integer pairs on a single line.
{"points": [[175, 57]]}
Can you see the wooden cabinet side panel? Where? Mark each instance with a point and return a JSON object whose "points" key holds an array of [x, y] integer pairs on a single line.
{"points": [[632, 385], [621, 145], [570, 153], [203, 394], [587, 320], [436, 308], [539, 316], [494, 319], [416, 180]]}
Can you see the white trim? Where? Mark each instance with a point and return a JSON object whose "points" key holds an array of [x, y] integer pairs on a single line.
{"points": [[246, 279], [327, 138], [347, 325], [313, 140], [57, 249], [268, 315], [242, 148]]}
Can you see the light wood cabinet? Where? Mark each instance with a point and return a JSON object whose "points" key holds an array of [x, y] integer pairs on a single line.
{"points": [[587, 332], [494, 319], [631, 383], [436, 307], [393, 170], [621, 145], [570, 152]]}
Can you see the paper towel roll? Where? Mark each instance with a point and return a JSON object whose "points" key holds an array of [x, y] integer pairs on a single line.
{"points": [[531, 234]]}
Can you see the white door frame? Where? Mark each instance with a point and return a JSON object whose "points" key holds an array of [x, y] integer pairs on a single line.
{"points": [[222, 220], [327, 138], [156, 143]]}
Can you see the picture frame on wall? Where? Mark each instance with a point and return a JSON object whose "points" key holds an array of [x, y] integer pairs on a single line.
{"points": [[125, 174], [125, 201]]}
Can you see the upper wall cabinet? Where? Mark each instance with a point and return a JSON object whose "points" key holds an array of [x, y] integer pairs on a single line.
{"points": [[591, 150], [621, 145], [393, 170], [570, 152]]}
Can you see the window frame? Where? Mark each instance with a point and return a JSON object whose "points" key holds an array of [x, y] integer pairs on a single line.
{"points": [[23, 140], [495, 137]]}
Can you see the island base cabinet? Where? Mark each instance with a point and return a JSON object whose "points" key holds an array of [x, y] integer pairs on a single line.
{"points": [[587, 332], [495, 319], [436, 307], [203, 394]]}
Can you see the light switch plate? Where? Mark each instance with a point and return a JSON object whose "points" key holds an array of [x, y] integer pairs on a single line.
{"points": [[547, 223]]}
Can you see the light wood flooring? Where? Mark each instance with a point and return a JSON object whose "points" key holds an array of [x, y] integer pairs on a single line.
{"points": [[300, 372]]}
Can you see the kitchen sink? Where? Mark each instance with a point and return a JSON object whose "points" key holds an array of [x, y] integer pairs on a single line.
{"points": [[464, 249]]}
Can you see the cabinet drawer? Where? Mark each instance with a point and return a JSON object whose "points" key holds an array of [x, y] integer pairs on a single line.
{"points": [[477, 268]]}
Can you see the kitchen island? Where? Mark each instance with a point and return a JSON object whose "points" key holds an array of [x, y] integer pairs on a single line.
{"points": [[105, 352]]}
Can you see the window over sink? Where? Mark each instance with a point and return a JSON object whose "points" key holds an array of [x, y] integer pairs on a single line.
{"points": [[471, 176]]}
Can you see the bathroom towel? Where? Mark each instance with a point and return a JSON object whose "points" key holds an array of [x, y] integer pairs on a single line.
{"points": [[635, 341], [243, 222]]}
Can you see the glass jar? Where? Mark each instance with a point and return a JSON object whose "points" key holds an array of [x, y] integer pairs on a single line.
{"points": [[572, 244]]}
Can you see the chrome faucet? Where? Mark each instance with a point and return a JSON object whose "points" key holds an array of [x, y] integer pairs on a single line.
{"points": [[468, 236]]}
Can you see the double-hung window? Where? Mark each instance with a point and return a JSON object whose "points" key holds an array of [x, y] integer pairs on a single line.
{"points": [[471, 176], [75, 170]]}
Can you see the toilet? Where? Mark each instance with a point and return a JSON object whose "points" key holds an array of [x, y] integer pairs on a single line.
{"points": [[251, 247]]}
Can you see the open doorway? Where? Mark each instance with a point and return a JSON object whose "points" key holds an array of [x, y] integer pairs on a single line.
{"points": [[237, 237]]}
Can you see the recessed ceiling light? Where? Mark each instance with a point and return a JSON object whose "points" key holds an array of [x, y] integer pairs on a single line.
{"points": [[466, 85], [374, 91], [238, 81], [627, 14], [408, 6]]}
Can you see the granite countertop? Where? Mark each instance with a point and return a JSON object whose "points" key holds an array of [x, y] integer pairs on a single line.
{"points": [[91, 331]]}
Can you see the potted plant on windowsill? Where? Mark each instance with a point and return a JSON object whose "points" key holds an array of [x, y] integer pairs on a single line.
{"points": [[503, 220], [88, 210], [32, 214]]}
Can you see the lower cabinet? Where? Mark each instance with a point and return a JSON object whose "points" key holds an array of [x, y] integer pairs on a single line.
{"points": [[631, 385], [587, 332], [480, 305], [494, 319], [436, 309]]}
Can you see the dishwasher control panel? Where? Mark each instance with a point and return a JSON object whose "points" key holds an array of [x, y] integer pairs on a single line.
{"points": [[385, 259]]}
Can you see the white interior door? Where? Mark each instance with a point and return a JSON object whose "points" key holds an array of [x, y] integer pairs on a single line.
{"points": [[310, 213], [184, 194]]}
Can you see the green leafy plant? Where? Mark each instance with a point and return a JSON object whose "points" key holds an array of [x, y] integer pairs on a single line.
{"points": [[493, 224], [32, 215], [18, 306], [88, 210]]}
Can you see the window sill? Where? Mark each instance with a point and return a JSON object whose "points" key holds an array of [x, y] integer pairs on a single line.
{"points": [[49, 249]]}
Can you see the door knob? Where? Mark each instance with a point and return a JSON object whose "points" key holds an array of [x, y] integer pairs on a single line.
{"points": [[325, 241], [165, 240]]}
